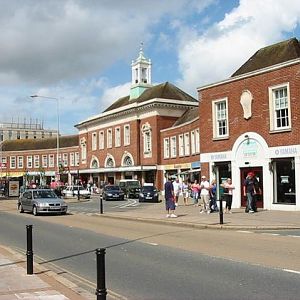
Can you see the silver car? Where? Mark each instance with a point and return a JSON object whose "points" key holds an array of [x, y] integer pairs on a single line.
{"points": [[41, 201]]}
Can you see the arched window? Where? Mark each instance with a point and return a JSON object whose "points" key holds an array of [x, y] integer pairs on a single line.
{"points": [[94, 163], [127, 160], [109, 162]]}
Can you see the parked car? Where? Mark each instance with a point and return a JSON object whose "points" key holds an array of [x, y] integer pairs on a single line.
{"points": [[41, 201], [72, 191], [149, 193], [130, 187], [112, 192]]}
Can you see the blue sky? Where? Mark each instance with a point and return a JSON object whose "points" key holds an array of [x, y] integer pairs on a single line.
{"points": [[80, 51]]}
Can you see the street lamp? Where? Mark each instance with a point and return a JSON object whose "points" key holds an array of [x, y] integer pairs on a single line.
{"points": [[57, 138]]}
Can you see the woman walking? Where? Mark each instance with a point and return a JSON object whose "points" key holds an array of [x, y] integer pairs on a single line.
{"points": [[229, 187], [195, 192]]}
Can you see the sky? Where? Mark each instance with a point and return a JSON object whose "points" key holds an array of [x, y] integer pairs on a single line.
{"points": [[80, 51]]}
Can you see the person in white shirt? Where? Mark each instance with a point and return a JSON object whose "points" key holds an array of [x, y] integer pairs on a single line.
{"points": [[177, 190], [204, 195]]}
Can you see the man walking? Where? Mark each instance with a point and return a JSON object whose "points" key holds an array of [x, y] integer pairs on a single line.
{"points": [[170, 199], [249, 191], [177, 190], [204, 195]]}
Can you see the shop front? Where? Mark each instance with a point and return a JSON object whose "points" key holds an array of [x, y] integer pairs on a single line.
{"points": [[276, 170]]}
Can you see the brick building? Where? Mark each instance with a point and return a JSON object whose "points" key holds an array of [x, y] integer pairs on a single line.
{"points": [[35, 160], [250, 122], [124, 141]]}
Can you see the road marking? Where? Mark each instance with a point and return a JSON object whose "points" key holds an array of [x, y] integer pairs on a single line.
{"points": [[291, 271], [266, 233], [245, 231], [152, 244], [296, 236]]}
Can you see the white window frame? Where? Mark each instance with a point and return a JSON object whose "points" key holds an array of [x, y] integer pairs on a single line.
{"points": [[147, 140], [20, 162], [109, 138], [44, 161], [77, 158], [167, 147], [197, 140], [51, 160], [94, 141], [29, 162], [181, 145], [101, 139], [12, 162], [187, 144], [217, 120], [173, 146], [193, 142], [72, 159], [126, 135], [272, 107], [65, 159], [117, 137], [36, 161]]}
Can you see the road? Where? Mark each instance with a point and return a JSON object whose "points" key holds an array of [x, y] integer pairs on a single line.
{"points": [[149, 261]]}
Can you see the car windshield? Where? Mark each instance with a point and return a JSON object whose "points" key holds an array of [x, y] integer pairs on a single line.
{"points": [[133, 184], [112, 188], [44, 194], [148, 189]]}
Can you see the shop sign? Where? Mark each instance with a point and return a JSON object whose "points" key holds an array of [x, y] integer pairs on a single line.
{"points": [[250, 148], [286, 151], [196, 165], [218, 157], [182, 166]]}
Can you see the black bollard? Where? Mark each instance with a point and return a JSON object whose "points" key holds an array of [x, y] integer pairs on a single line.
{"points": [[29, 252], [101, 204], [101, 289], [221, 210]]}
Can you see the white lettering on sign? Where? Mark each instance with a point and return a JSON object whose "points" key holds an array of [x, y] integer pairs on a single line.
{"points": [[221, 156]]}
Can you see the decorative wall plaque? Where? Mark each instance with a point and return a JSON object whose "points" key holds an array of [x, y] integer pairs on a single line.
{"points": [[246, 102]]}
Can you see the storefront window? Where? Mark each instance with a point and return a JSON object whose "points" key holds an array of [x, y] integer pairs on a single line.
{"points": [[284, 181]]}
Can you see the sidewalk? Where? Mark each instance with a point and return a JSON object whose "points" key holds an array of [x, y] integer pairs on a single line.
{"points": [[42, 285], [189, 216]]}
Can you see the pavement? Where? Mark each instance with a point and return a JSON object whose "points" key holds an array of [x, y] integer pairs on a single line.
{"points": [[45, 284]]}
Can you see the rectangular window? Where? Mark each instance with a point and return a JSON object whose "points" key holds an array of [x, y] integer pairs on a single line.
{"points": [[44, 161], [109, 138], [20, 162], [29, 162], [101, 139], [284, 181], [72, 159], [280, 112], [18, 134], [65, 162], [117, 137], [193, 146], [181, 145], [166, 148], [76, 158], [51, 160], [126, 135], [220, 118], [187, 144], [197, 140], [94, 141], [12, 162], [36, 161], [173, 147]]}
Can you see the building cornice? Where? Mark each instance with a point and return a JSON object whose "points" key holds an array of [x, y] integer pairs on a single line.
{"points": [[181, 125]]}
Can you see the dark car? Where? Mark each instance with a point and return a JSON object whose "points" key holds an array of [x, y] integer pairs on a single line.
{"points": [[149, 193], [130, 187], [112, 192]]}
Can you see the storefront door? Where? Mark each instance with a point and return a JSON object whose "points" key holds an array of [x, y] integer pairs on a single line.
{"points": [[259, 176]]}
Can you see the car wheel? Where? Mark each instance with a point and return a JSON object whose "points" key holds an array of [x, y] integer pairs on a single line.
{"points": [[64, 213], [34, 211], [20, 208]]}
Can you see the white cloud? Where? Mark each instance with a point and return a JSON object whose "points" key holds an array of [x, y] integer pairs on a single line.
{"points": [[225, 46]]}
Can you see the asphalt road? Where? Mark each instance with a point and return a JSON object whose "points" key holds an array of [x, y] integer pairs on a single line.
{"points": [[142, 266]]}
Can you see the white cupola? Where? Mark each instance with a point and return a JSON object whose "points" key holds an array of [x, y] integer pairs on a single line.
{"points": [[141, 75]]}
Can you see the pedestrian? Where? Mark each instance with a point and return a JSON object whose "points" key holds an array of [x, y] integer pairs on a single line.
{"points": [[177, 190], [249, 191], [228, 192], [195, 192], [204, 195], [213, 196], [185, 192], [170, 199]]}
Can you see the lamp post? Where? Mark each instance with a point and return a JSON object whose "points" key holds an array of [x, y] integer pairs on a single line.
{"points": [[57, 138]]}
